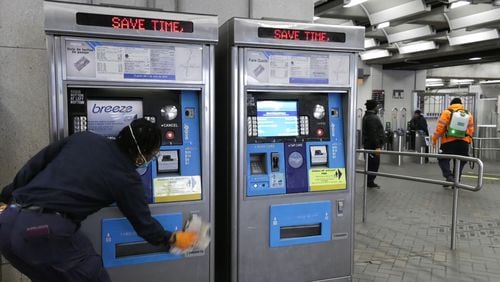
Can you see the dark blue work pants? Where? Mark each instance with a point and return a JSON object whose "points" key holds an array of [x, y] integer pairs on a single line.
{"points": [[458, 147], [48, 248]]}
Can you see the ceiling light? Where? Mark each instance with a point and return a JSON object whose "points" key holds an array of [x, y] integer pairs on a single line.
{"points": [[383, 25], [374, 54], [353, 3], [465, 37], [489, 81], [475, 59], [459, 4], [461, 81], [417, 46], [433, 80], [370, 42]]}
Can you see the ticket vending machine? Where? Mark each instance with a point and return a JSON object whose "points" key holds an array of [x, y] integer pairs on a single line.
{"points": [[285, 150], [109, 66]]}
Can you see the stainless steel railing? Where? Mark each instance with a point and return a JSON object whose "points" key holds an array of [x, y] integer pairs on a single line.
{"points": [[456, 185]]}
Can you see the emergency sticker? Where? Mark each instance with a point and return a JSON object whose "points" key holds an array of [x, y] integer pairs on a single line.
{"points": [[325, 179], [177, 188]]}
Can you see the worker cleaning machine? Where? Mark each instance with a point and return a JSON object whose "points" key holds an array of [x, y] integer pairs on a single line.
{"points": [[285, 174], [109, 66]]}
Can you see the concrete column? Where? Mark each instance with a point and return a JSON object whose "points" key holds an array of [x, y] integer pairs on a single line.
{"points": [[373, 80], [398, 80], [24, 126], [24, 122]]}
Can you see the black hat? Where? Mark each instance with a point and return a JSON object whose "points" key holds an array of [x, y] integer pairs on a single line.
{"points": [[371, 104], [418, 112], [456, 101]]}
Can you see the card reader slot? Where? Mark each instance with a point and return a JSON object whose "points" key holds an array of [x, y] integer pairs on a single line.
{"points": [[298, 231], [137, 249]]}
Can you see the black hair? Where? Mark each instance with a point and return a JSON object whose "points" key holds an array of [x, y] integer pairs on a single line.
{"points": [[148, 137], [418, 112], [456, 101]]}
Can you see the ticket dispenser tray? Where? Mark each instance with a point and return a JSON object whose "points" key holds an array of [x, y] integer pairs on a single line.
{"points": [[300, 223], [121, 246]]}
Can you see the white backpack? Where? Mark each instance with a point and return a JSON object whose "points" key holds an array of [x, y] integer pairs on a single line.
{"points": [[459, 121]]}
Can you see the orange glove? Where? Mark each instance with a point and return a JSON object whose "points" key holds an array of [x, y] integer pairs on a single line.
{"points": [[184, 240], [2, 207]]}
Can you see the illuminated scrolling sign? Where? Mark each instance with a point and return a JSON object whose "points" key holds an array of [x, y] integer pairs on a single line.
{"points": [[301, 35], [134, 23]]}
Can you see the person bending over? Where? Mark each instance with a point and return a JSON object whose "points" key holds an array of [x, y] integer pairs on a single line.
{"points": [[66, 182]]}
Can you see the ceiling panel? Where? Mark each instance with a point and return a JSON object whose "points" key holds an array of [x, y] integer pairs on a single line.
{"points": [[432, 21]]}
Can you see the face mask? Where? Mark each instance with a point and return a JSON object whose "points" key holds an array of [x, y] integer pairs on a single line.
{"points": [[142, 169]]}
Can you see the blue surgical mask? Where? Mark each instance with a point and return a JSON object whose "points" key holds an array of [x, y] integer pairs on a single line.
{"points": [[141, 169]]}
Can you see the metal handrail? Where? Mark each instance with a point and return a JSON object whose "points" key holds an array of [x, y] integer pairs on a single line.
{"points": [[456, 184], [480, 148]]}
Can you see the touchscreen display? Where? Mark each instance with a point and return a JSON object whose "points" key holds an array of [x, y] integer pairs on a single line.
{"points": [[108, 117], [277, 118]]}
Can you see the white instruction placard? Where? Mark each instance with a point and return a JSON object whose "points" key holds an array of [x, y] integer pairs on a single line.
{"points": [[117, 61], [302, 68]]}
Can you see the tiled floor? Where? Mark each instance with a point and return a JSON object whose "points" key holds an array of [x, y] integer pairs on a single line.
{"points": [[407, 233]]}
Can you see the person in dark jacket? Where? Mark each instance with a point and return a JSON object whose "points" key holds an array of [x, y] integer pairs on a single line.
{"points": [[373, 138], [66, 182], [418, 122]]}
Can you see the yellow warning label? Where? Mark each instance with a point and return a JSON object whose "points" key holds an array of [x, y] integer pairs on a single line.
{"points": [[325, 179], [177, 188]]}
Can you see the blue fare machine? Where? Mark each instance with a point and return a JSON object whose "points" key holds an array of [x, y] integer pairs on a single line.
{"points": [[109, 66], [285, 150]]}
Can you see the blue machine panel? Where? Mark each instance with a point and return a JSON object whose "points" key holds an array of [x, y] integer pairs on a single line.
{"points": [[296, 168], [119, 232], [336, 130], [190, 151], [300, 223], [265, 169]]}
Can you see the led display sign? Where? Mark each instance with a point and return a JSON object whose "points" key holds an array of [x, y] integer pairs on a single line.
{"points": [[134, 23], [300, 35]]}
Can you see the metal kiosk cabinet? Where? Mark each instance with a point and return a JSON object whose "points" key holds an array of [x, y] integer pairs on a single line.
{"points": [[111, 65], [286, 110]]}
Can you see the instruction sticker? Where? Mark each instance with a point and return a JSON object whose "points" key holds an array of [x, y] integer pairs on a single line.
{"points": [[119, 61], [325, 179], [289, 67], [177, 188]]}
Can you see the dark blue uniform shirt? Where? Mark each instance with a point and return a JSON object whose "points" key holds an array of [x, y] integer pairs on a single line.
{"points": [[81, 174]]}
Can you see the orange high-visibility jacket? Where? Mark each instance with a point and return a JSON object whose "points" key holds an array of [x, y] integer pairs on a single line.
{"points": [[442, 126]]}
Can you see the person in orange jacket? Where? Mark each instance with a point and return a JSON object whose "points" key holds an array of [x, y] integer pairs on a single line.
{"points": [[449, 144]]}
